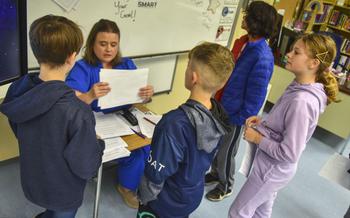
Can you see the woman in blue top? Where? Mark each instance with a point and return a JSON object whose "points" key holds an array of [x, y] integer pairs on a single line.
{"points": [[102, 51]]}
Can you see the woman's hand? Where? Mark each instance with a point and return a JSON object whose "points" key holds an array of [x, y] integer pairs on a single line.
{"points": [[252, 121], [146, 93], [98, 90], [251, 135]]}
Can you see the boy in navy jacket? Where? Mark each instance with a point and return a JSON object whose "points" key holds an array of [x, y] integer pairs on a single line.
{"points": [[58, 147], [186, 138]]}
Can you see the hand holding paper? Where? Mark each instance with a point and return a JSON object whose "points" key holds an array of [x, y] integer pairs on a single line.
{"points": [[125, 86]]}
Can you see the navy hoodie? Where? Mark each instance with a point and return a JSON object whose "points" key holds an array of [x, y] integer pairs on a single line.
{"points": [[183, 147], [57, 141]]}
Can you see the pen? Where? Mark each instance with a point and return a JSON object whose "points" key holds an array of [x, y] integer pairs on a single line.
{"points": [[149, 120], [138, 133]]}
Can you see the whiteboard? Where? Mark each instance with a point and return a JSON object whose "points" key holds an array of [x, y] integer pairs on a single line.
{"points": [[161, 71], [147, 27]]}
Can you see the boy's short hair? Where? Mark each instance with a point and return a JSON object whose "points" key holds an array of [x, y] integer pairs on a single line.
{"points": [[261, 19], [214, 63], [54, 38]]}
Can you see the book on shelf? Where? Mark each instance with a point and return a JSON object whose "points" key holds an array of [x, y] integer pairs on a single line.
{"points": [[343, 64], [339, 20], [345, 47], [306, 16], [334, 17], [343, 59], [321, 18], [346, 25]]}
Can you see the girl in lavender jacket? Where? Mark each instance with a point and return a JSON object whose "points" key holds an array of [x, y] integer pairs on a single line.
{"points": [[281, 136]]}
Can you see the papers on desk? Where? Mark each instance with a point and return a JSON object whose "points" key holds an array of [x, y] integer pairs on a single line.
{"points": [[115, 148], [111, 125], [248, 158], [147, 124], [153, 118], [125, 86]]}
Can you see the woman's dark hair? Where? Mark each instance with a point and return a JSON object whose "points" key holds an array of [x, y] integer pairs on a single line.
{"points": [[102, 25], [261, 19]]}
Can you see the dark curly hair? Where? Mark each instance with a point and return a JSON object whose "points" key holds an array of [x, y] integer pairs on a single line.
{"points": [[261, 18]]}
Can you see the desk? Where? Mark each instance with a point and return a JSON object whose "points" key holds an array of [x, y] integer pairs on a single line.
{"points": [[134, 142]]}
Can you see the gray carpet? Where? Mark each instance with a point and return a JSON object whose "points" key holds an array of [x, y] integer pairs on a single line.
{"points": [[307, 196]]}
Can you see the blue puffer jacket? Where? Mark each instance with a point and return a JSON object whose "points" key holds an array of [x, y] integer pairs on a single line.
{"points": [[246, 88]]}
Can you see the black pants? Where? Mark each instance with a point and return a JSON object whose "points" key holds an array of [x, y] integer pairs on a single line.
{"points": [[224, 164]]}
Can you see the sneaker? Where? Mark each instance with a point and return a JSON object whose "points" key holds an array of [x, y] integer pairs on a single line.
{"points": [[128, 196], [210, 179], [217, 195]]}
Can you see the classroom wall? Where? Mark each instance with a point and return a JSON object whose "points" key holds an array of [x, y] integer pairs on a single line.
{"points": [[8, 142], [163, 103], [288, 6], [3, 90]]}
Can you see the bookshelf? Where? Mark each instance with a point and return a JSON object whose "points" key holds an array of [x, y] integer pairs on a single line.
{"points": [[339, 22], [332, 17], [336, 18]]}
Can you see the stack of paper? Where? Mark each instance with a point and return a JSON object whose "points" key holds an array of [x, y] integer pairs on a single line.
{"points": [[147, 123], [111, 125], [115, 148], [153, 118]]}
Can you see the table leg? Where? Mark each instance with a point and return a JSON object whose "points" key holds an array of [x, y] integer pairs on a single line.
{"points": [[98, 190]]}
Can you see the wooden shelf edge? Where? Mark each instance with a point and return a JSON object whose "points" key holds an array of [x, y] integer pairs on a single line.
{"points": [[340, 6], [344, 53], [337, 28]]}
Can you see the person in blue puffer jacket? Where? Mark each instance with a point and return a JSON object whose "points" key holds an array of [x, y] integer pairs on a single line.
{"points": [[244, 92]]}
